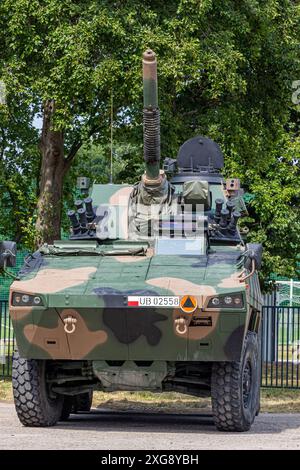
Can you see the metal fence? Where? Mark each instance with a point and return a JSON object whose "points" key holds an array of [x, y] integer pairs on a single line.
{"points": [[280, 345], [7, 340]]}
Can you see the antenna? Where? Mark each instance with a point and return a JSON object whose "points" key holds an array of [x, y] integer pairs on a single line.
{"points": [[111, 136]]}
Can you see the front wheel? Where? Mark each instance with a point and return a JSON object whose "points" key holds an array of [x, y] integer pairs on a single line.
{"points": [[35, 404], [235, 388]]}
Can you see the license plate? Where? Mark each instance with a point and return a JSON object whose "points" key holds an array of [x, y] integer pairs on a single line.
{"points": [[153, 301]]}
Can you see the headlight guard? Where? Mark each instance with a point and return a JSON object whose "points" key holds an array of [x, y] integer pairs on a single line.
{"points": [[21, 299]]}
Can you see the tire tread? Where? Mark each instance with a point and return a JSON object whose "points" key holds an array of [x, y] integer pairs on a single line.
{"points": [[226, 394], [26, 382]]}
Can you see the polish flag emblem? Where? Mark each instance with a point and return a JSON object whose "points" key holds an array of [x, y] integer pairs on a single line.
{"points": [[133, 301]]}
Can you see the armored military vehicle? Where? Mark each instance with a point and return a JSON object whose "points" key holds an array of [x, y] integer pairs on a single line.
{"points": [[155, 289]]}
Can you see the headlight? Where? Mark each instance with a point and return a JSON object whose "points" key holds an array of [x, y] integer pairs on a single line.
{"points": [[26, 300], [226, 301]]}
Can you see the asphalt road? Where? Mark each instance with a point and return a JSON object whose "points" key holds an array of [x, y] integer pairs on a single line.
{"points": [[103, 429]]}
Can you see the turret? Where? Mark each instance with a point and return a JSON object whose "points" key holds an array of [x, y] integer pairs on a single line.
{"points": [[151, 120]]}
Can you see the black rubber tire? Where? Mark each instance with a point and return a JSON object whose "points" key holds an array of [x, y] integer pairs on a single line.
{"points": [[230, 412], [33, 405], [83, 402]]}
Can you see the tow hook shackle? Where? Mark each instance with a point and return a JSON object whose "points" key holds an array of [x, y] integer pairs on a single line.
{"points": [[70, 324], [181, 326]]}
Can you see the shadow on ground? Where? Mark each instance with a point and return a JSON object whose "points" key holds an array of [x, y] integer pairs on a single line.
{"points": [[129, 421]]}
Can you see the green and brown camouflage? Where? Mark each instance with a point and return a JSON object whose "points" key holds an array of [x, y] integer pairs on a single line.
{"points": [[91, 283], [126, 294]]}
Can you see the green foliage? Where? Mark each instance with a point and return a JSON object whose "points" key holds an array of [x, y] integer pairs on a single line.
{"points": [[94, 161], [19, 167], [275, 208], [226, 69]]}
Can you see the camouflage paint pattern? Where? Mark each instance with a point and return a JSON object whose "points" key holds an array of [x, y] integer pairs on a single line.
{"points": [[94, 291]]}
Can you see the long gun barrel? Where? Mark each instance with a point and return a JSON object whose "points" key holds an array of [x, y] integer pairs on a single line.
{"points": [[151, 118]]}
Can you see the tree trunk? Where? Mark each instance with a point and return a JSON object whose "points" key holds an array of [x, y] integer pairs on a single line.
{"points": [[51, 179]]}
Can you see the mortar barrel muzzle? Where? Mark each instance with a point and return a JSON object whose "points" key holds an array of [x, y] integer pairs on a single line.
{"points": [[82, 216], [78, 204], [151, 118], [150, 79]]}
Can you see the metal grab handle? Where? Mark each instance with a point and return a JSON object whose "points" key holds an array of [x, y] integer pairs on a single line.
{"points": [[70, 322], [242, 273], [250, 274], [181, 326]]}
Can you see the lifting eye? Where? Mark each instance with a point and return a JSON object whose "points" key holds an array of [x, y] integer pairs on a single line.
{"points": [[181, 326], [70, 324]]}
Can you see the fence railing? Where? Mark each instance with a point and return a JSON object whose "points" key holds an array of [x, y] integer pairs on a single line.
{"points": [[7, 340], [280, 345]]}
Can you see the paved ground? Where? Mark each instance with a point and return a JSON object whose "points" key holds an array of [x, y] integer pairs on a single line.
{"points": [[117, 430]]}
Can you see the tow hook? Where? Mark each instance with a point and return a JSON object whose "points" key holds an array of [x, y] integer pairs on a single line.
{"points": [[70, 324], [180, 326]]}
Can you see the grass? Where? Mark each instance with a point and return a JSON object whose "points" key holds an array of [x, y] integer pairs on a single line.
{"points": [[6, 330], [272, 401], [146, 401], [6, 333], [6, 391], [279, 400]]}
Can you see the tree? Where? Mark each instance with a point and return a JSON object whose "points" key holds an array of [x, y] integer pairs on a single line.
{"points": [[71, 55], [226, 69], [19, 168]]}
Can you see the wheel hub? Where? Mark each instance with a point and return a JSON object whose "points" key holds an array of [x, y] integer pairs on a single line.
{"points": [[247, 384]]}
